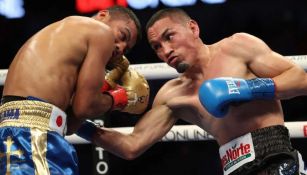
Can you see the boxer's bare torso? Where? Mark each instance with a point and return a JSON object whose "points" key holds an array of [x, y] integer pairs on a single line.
{"points": [[181, 95], [48, 64]]}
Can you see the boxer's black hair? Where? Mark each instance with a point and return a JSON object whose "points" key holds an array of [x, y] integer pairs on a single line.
{"points": [[175, 14], [120, 11]]}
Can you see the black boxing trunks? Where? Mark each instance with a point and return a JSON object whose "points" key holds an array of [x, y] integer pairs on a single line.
{"points": [[263, 151], [32, 138]]}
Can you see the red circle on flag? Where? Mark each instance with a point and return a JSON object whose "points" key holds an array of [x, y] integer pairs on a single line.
{"points": [[59, 121]]}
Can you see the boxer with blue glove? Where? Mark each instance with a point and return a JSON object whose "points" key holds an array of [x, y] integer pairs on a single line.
{"points": [[217, 94], [252, 138]]}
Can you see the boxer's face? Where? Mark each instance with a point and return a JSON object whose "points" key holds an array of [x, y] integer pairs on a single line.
{"points": [[172, 41], [125, 33]]}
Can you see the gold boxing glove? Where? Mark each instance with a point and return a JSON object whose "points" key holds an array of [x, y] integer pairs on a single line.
{"points": [[137, 89], [116, 69]]}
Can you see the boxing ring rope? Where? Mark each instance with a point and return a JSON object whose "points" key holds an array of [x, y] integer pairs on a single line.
{"points": [[155, 71], [181, 133]]}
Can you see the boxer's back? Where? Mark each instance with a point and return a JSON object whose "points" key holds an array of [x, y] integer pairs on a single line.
{"points": [[47, 65]]}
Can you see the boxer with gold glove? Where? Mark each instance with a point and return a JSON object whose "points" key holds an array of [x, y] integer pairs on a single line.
{"points": [[116, 69], [130, 93], [128, 88]]}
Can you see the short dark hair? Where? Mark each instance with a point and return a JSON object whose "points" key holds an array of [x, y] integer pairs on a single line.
{"points": [[176, 14], [118, 11]]}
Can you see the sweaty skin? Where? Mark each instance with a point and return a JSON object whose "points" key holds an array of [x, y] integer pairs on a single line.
{"points": [[64, 63], [240, 55]]}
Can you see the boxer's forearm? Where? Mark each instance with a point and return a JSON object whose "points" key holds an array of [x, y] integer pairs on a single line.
{"points": [[99, 104], [73, 123], [291, 83], [120, 144], [149, 130]]}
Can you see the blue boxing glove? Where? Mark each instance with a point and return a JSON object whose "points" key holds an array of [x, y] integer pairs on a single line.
{"points": [[217, 94], [87, 130]]}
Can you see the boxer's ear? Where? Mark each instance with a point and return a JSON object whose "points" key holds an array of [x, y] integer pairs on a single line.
{"points": [[194, 27], [103, 15]]}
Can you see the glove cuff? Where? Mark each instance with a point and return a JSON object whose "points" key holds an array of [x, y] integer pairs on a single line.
{"points": [[106, 86], [87, 130], [119, 96], [262, 88]]}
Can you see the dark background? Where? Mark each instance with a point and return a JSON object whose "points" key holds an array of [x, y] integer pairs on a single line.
{"points": [[282, 24]]}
